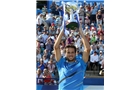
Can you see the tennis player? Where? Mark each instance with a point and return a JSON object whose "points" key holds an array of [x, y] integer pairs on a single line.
{"points": [[71, 69]]}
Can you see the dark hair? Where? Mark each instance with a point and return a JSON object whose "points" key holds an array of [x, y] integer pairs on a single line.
{"points": [[70, 46]]}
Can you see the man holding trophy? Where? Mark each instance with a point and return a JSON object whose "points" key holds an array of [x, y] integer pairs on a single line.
{"points": [[71, 69]]}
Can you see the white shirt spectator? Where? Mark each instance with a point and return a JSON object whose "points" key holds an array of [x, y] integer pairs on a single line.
{"points": [[51, 67], [94, 58], [67, 32], [38, 57], [39, 33], [78, 42], [101, 58], [86, 31], [39, 20], [46, 60], [44, 36], [101, 47], [49, 18], [38, 80]]}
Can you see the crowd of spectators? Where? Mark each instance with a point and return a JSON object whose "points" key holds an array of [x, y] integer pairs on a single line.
{"points": [[48, 27]]}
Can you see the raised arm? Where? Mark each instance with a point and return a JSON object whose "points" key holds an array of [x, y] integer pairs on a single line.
{"points": [[57, 47], [86, 45]]}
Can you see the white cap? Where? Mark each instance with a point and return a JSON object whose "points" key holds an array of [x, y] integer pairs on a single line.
{"points": [[92, 23], [100, 51], [41, 44]]}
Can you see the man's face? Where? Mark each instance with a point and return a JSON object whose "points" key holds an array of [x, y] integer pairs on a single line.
{"points": [[44, 57], [70, 54], [44, 32]]}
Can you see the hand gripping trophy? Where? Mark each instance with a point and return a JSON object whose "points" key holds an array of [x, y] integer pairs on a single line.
{"points": [[72, 9]]}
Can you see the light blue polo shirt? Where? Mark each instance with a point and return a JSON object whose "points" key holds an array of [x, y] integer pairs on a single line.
{"points": [[67, 68]]}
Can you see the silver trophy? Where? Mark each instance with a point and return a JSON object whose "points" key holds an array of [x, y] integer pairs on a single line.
{"points": [[71, 8]]}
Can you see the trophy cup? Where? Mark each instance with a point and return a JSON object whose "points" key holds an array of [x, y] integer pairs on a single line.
{"points": [[71, 8]]}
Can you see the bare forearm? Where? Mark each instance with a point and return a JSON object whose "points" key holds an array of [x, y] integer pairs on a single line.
{"points": [[58, 40]]}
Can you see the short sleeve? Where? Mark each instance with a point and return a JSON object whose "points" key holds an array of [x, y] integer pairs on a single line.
{"points": [[60, 63], [83, 63]]}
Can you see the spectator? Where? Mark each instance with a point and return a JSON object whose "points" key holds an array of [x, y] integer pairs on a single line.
{"points": [[39, 21], [92, 49], [101, 46], [44, 10], [92, 27], [55, 37], [77, 41], [101, 58], [93, 14], [44, 36], [70, 40], [41, 40], [62, 43], [46, 29], [52, 57], [41, 65], [81, 49], [39, 32], [62, 50], [100, 30], [60, 9], [49, 45], [67, 32], [39, 74], [86, 30], [88, 7], [38, 44], [49, 19], [92, 31], [57, 11], [102, 12], [94, 60], [53, 7], [52, 30], [41, 48], [51, 67], [93, 39], [99, 17], [102, 69], [45, 59], [46, 53], [47, 77], [38, 55], [87, 20]]}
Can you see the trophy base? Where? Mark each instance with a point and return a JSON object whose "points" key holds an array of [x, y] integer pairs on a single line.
{"points": [[72, 25]]}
